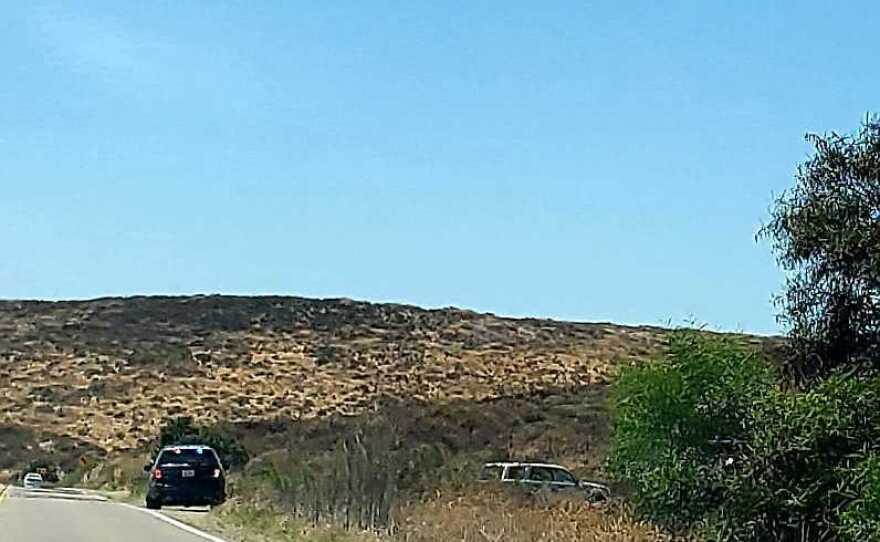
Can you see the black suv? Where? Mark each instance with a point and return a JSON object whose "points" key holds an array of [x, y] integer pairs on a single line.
{"points": [[186, 476]]}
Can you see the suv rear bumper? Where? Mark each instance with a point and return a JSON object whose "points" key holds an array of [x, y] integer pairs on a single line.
{"points": [[186, 496]]}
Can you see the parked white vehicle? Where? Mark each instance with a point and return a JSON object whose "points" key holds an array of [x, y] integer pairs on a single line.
{"points": [[554, 477], [33, 480]]}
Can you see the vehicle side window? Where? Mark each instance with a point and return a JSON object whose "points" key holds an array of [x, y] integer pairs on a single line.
{"points": [[515, 473], [563, 476], [540, 474], [491, 472]]}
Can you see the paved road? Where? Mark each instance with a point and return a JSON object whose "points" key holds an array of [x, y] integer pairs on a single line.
{"points": [[27, 516]]}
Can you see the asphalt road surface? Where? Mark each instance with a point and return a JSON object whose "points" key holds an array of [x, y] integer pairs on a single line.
{"points": [[44, 516]]}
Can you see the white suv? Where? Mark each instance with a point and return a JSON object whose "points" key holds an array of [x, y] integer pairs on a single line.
{"points": [[554, 477]]}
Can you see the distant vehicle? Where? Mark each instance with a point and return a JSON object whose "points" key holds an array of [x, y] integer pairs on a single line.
{"points": [[185, 476], [33, 480], [541, 475]]}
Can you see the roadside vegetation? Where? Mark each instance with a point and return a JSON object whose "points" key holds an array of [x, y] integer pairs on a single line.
{"points": [[406, 472], [713, 441], [718, 442], [493, 515], [468, 516]]}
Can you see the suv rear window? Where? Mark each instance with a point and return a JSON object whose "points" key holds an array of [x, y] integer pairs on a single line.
{"points": [[515, 473], [191, 457]]}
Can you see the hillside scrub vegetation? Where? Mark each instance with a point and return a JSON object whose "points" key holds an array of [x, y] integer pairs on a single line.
{"points": [[99, 377]]}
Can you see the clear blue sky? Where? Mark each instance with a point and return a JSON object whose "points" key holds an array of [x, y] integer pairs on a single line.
{"points": [[574, 160]]}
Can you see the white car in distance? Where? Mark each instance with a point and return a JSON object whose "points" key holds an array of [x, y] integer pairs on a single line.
{"points": [[33, 480]]}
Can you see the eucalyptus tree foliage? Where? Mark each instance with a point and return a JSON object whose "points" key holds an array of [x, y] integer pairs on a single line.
{"points": [[825, 232]]}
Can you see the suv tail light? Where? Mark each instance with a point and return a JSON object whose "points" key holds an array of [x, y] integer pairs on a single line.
{"points": [[157, 474], [216, 473]]}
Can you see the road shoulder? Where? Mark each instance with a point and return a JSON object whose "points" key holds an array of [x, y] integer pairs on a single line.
{"points": [[176, 523], [202, 519]]}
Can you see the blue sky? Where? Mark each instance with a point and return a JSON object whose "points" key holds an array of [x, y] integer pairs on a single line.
{"points": [[585, 161]]}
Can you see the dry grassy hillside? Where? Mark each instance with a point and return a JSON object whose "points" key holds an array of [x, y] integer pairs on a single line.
{"points": [[101, 375]]}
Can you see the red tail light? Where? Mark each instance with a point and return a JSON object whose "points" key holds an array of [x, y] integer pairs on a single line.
{"points": [[157, 474], [216, 473]]}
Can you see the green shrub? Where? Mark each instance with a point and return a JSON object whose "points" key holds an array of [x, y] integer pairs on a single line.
{"points": [[679, 419], [860, 522], [797, 474], [708, 441]]}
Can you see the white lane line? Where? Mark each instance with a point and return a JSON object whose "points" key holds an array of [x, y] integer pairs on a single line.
{"points": [[32, 493], [179, 524], [64, 492]]}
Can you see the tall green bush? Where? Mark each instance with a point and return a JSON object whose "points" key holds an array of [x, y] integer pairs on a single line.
{"points": [[860, 522], [797, 475], [708, 441], [680, 419]]}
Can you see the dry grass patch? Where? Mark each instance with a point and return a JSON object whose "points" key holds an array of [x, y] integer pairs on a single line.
{"points": [[489, 516]]}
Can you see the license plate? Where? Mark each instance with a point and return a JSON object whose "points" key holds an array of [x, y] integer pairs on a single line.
{"points": [[188, 473]]}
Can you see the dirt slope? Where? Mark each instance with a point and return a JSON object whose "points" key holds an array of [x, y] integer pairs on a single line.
{"points": [[101, 374]]}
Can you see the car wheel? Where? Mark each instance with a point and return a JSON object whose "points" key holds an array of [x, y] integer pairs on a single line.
{"points": [[153, 505]]}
